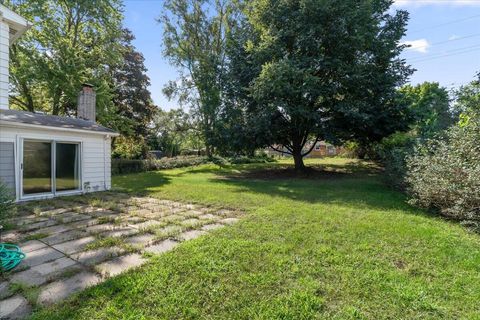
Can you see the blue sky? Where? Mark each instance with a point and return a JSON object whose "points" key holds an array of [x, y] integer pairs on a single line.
{"points": [[444, 34]]}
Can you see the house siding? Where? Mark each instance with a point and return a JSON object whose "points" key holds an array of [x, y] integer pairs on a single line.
{"points": [[95, 165], [7, 164], [4, 59]]}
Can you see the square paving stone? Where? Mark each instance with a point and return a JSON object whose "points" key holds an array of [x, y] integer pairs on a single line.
{"points": [[32, 245], [140, 240], [229, 221], [34, 258], [39, 225], [73, 246], [25, 220], [120, 232], [161, 247], [208, 216], [147, 224], [72, 217], [191, 223], [141, 212], [190, 235], [61, 289], [12, 236], [93, 257], [64, 236], [16, 307], [103, 213], [173, 218], [42, 273], [53, 229], [226, 213], [101, 228], [83, 223], [5, 291], [213, 226], [192, 213], [119, 265], [168, 231]]}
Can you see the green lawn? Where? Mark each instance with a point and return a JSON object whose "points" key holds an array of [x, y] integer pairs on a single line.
{"points": [[335, 245]]}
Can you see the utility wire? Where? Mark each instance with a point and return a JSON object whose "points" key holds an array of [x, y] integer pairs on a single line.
{"points": [[445, 24], [447, 52], [446, 55]]}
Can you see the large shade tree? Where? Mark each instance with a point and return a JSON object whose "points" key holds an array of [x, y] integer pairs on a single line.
{"points": [[71, 42], [329, 70]]}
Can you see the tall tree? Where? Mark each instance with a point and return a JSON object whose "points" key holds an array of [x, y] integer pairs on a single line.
{"points": [[172, 132], [329, 70], [467, 100], [131, 95], [70, 43], [429, 104], [194, 41]]}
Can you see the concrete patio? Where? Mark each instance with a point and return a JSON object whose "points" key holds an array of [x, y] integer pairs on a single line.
{"points": [[76, 242]]}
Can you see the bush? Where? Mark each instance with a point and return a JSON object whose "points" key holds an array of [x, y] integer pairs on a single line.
{"points": [[392, 152], [6, 202], [261, 158], [124, 166], [444, 173]]}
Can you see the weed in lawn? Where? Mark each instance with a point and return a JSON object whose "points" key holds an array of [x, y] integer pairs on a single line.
{"points": [[168, 232], [30, 293], [105, 242]]}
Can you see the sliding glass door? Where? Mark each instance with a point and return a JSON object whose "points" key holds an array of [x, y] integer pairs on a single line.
{"points": [[50, 167], [37, 167], [67, 167]]}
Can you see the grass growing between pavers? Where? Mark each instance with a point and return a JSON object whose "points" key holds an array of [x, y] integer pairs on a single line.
{"points": [[337, 244]]}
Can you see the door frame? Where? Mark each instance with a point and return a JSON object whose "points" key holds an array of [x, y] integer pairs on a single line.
{"points": [[53, 192]]}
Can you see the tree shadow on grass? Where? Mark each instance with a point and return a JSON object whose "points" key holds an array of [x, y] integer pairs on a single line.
{"points": [[355, 184], [141, 183]]}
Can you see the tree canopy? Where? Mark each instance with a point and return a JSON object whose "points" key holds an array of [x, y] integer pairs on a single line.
{"points": [[70, 43], [322, 70]]}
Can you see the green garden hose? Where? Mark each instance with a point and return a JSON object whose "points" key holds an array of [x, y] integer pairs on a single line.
{"points": [[10, 256]]}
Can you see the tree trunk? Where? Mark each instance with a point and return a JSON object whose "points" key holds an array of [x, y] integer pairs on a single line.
{"points": [[298, 159]]}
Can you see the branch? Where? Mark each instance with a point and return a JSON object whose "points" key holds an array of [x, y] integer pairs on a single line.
{"points": [[20, 102], [311, 148], [281, 151]]}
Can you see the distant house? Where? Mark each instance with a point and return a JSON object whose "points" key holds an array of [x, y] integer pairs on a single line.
{"points": [[43, 156], [320, 150], [323, 149]]}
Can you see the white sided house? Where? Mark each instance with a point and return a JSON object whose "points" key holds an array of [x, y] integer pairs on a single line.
{"points": [[43, 156]]}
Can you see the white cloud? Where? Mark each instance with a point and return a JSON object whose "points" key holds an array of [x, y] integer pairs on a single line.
{"points": [[453, 37], [420, 45], [417, 3]]}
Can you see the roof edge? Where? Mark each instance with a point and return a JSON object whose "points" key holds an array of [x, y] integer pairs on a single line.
{"points": [[45, 127]]}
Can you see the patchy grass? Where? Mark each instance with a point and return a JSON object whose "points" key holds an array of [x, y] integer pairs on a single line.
{"points": [[30, 293], [36, 236], [334, 244]]}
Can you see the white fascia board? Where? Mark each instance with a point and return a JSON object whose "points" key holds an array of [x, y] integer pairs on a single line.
{"points": [[40, 127], [15, 21]]}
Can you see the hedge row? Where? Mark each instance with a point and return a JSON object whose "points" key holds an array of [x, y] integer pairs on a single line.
{"points": [[122, 166]]}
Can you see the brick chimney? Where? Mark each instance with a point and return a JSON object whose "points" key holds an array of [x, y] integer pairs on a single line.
{"points": [[86, 103]]}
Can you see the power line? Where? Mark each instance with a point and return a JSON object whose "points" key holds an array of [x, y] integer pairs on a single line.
{"points": [[445, 24], [448, 52], [446, 55]]}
